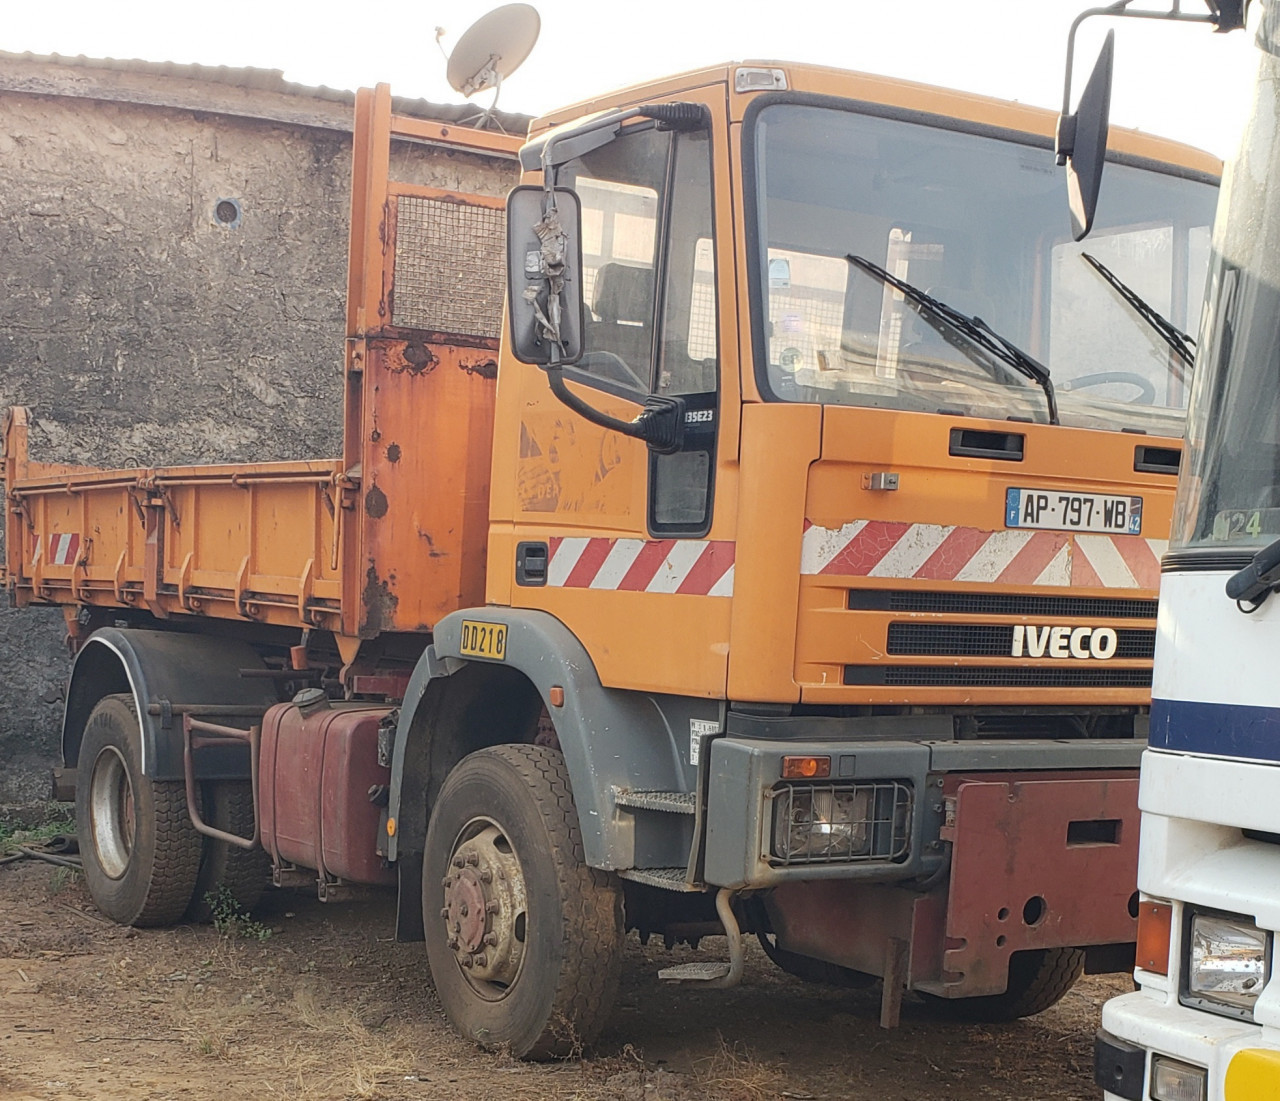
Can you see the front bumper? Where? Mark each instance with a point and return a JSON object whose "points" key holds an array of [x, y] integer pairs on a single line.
{"points": [[1221, 1045]]}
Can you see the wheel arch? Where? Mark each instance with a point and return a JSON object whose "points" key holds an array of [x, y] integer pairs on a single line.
{"points": [[611, 739], [161, 668]]}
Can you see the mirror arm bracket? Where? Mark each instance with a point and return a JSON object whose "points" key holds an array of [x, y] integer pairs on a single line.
{"points": [[660, 423], [1064, 143]]}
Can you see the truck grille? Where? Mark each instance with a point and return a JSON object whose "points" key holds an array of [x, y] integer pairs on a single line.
{"points": [[1019, 604], [1012, 676], [992, 640]]}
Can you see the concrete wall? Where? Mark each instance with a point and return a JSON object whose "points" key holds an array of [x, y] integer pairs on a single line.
{"points": [[138, 328]]}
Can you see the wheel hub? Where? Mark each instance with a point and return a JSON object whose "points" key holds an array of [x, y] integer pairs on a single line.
{"points": [[484, 906], [112, 813]]}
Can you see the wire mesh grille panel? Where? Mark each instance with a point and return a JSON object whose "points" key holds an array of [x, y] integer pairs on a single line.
{"points": [[1007, 676], [450, 267], [841, 823], [969, 603], [983, 640]]}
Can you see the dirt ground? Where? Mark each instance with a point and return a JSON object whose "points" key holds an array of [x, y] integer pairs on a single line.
{"points": [[329, 1007]]}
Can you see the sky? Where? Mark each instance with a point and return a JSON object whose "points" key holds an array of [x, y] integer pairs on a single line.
{"points": [[1182, 82]]}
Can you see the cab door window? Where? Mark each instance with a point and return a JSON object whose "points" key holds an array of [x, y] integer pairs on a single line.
{"points": [[620, 188], [649, 287]]}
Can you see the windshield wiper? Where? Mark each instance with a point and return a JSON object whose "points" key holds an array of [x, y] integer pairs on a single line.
{"points": [[973, 329], [1183, 344]]}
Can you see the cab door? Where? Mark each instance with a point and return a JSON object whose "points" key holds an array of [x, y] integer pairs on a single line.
{"points": [[629, 548]]}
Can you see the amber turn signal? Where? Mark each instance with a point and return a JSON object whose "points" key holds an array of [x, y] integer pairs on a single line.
{"points": [[1155, 922], [806, 768]]}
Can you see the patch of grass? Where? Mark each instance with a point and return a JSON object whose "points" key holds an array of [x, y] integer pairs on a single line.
{"points": [[231, 919], [62, 878], [13, 834]]}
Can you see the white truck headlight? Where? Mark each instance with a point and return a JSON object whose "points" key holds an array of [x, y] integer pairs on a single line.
{"points": [[1175, 1081], [1226, 962]]}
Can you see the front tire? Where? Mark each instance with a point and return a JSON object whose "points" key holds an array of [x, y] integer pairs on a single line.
{"points": [[139, 850], [524, 940]]}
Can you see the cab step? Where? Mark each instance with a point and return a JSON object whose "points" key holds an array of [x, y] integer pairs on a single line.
{"points": [[695, 972], [669, 879], [716, 976], [672, 802]]}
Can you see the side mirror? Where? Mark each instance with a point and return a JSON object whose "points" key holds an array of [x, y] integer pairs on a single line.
{"points": [[544, 276], [1082, 141]]}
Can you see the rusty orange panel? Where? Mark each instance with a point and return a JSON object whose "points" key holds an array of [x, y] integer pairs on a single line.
{"points": [[425, 482]]}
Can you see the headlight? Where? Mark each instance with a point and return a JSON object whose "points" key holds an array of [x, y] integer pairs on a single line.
{"points": [[1226, 962], [840, 823], [1175, 1081]]}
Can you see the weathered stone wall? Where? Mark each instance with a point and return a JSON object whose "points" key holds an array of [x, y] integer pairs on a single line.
{"points": [[142, 331]]}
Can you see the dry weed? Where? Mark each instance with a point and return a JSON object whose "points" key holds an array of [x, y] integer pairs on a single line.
{"points": [[734, 1074]]}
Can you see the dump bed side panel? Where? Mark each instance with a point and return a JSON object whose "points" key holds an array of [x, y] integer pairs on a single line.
{"points": [[247, 542]]}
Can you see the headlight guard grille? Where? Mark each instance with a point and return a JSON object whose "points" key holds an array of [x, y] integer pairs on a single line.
{"points": [[841, 823]]}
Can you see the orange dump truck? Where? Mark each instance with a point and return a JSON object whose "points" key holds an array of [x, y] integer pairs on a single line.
{"points": [[804, 588]]}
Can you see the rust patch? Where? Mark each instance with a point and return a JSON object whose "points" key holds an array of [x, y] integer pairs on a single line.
{"points": [[375, 503], [415, 358], [431, 545], [380, 603], [393, 453], [487, 368]]}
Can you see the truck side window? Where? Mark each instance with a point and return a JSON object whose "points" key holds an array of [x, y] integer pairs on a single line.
{"points": [[680, 485], [620, 187], [646, 209]]}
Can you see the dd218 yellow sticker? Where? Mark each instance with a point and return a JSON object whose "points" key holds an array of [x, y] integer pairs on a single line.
{"points": [[484, 640]]}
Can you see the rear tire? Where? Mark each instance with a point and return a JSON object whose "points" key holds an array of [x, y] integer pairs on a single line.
{"points": [[227, 805], [1038, 979], [524, 939], [139, 850]]}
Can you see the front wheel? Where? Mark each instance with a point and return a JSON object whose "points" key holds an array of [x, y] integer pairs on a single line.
{"points": [[524, 940], [140, 852], [1038, 978]]}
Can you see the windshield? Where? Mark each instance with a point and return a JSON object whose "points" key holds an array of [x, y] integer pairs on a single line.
{"points": [[1229, 495], [980, 223]]}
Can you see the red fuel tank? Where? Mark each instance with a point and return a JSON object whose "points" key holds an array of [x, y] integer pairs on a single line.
{"points": [[316, 767]]}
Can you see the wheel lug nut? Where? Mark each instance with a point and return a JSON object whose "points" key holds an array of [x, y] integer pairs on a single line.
{"points": [[482, 960], [444, 912], [491, 907], [458, 862], [486, 876], [453, 943], [467, 962], [465, 910], [491, 939], [473, 859], [447, 882]]}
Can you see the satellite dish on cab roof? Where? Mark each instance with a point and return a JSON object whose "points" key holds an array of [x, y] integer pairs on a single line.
{"points": [[492, 48]]}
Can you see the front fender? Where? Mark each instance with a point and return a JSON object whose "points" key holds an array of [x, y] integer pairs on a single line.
{"points": [[612, 739]]}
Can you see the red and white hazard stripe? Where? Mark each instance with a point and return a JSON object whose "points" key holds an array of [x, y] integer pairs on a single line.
{"points": [[690, 566], [940, 552], [63, 549]]}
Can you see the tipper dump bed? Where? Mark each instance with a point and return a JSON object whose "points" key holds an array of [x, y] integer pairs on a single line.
{"points": [[298, 543]]}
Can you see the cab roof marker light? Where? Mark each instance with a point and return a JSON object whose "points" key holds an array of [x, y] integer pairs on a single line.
{"points": [[759, 80]]}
